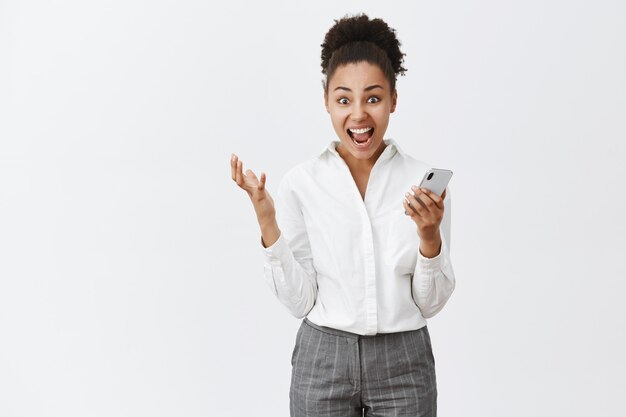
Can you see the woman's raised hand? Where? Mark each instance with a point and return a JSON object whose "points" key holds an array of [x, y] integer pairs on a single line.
{"points": [[261, 199]]}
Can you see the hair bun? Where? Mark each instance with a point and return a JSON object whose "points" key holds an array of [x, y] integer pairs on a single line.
{"points": [[360, 28]]}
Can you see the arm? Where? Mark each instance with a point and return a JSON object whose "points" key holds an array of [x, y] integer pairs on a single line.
{"points": [[433, 279], [288, 262], [288, 267]]}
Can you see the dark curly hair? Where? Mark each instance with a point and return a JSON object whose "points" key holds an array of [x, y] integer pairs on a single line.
{"points": [[357, 38]]}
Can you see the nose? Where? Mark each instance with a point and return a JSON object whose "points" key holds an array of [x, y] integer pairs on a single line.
{"points": [[358, 113]]}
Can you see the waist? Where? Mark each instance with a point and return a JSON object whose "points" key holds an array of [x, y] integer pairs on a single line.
{"points": [[343, 333]]}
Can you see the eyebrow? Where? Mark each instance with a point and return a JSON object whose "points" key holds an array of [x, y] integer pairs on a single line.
{"points": [[371, 87]]}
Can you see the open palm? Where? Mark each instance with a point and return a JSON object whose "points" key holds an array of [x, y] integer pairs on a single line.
{"points": [[255, 187]]}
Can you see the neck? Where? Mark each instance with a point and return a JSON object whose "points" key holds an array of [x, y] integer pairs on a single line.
{"points": [[361, 165]]}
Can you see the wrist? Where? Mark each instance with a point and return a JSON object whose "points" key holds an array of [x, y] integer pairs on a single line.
{"points": [[430, 247], [267, 220], [269, 232]]}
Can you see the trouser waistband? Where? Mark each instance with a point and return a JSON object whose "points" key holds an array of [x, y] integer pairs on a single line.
{"points": [[331, 330], [343, 333]]}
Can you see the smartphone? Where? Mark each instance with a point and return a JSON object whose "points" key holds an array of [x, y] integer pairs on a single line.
{"points": [[436, 180]]}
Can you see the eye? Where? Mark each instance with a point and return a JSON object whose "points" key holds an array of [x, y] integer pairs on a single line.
{"points": [[376, 99], [342, 102]]}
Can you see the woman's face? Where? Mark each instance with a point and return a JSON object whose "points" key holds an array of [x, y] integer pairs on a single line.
{"points": [[359, 102]]}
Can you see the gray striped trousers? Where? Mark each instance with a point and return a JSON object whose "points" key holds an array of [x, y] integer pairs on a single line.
{"points": [[337, 373]]}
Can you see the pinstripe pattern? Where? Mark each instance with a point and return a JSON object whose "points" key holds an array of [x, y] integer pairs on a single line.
{"points": [[336, 373]]}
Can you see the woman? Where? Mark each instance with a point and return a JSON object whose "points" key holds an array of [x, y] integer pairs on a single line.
{"points": [[343, 251]]}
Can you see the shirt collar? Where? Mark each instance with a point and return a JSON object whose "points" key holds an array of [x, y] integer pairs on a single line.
{"points": [[390, 150]]}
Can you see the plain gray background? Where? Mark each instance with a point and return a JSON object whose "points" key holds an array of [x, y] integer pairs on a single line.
{"points": [[130, 265]]}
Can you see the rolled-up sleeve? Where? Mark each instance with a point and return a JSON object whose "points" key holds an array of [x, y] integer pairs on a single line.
{"points": [[288, 263], [433, 279]]}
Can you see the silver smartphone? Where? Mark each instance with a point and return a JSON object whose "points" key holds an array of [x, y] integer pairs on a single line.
{"points": [[436, 180]]}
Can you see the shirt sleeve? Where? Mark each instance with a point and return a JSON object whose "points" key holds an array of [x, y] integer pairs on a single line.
{"points": [[433, 279], [288, 263]]}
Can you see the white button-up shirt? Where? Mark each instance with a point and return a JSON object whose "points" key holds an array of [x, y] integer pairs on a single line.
{"points": [[350, 263]]}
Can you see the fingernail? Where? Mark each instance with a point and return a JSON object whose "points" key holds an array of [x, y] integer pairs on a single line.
{"points": [[414, 188]]}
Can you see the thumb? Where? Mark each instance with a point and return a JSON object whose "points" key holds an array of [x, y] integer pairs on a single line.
{"points": [[250, 174], [262, 182]]}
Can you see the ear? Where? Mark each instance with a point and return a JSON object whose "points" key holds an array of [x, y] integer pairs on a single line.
{"points": [[394, 100], [326, 102]]}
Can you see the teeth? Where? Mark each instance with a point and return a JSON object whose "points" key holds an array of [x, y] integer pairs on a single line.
{"points": [[365, 129]]}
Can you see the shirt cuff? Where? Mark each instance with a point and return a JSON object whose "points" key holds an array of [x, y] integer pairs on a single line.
{"points": [[431, 264], [277, 252]]}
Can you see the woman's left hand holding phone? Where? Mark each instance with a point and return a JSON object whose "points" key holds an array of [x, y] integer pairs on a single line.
{"points": [[426, 209]]}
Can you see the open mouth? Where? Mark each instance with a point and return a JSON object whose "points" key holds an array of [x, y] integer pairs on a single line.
{"points": [[361, 137]]}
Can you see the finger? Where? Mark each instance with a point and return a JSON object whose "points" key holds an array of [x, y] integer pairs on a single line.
{"points": [[429, 212], [443, 195], [435, 213], [409, 210], [416, 201], [433, 201], [251, 174], [262, 182], [430, 196], [233, 166], [438, 200], [426, 201], [432, 214], [415, 204], [407, 207], [239, 174]]}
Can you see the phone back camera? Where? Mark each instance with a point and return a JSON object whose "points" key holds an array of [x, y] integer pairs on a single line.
{"points": [[429, 176]]}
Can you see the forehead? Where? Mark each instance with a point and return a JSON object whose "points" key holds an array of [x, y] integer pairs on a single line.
{"points": [[357, 76]]}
